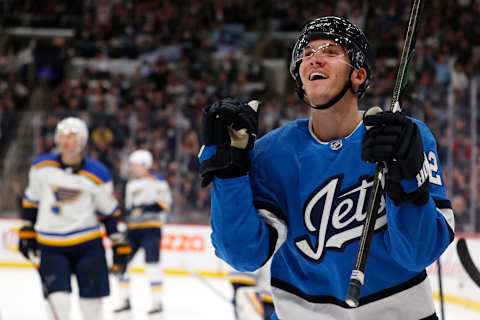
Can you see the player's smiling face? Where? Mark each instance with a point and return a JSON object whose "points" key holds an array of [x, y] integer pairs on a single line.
{"points": [[324, 70]]}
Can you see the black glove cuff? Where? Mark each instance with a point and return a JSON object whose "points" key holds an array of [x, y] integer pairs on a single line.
{"points": [[232, 163], [395, 190], [226, 163], [419, 197]]}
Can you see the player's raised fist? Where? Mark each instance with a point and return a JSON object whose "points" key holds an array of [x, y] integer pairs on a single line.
{"points": [[229, 129]]}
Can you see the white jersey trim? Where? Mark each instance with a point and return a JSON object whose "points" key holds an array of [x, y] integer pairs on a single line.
{"points": [[413, 303], [447, 213], [276, 223]]}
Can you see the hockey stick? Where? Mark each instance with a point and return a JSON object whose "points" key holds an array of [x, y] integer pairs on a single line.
{"points": [[467, 262], [358, 273], [215, 290], [440, 289], [212, 288]]}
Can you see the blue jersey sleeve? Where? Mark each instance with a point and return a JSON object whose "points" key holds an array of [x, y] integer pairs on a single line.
{"points": [[239, 236], [245, 215], [418, 235]]}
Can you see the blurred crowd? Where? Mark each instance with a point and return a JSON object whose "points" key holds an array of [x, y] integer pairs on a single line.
{"points": [[140, 71]]}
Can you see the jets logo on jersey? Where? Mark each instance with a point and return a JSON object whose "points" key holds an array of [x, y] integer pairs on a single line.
{"points": [[334, 217]]}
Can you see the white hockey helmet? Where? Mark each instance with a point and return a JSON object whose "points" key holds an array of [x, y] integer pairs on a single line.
{"points": [[142, 157], [73, 125]]}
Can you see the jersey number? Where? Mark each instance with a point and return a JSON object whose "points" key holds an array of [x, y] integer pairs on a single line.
{"points": [[434, 176]]}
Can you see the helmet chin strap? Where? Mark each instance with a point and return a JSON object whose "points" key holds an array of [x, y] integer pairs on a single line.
{"points": [[335, 99]]}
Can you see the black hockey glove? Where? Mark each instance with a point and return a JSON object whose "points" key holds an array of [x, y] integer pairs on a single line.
{"points": [[394, 139], [122, 250], [27, 242], [229, 131]]}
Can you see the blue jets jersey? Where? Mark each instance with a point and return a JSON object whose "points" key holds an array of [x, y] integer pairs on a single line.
{"points": [[304, 202]]}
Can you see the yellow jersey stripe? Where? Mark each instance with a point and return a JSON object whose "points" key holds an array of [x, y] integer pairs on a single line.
{"points": [[90, 176], [144, 225], [71, 241], [47, 163]]}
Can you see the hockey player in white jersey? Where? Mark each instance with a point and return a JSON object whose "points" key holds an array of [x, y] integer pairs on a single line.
{"points": [[67, 199], [147, 201], [299, 194], [252, 297]]}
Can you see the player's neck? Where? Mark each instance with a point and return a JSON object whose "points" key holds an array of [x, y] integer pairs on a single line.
{"points": [[142, 175], [335, 122], [71, 160]]}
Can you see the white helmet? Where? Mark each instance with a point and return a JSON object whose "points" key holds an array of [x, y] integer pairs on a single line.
{"points": [[142, 157], [73, 125]]}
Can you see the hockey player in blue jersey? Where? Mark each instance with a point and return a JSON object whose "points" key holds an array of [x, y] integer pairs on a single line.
{"points": [[300, 192], [147, 201], [67, 196]]}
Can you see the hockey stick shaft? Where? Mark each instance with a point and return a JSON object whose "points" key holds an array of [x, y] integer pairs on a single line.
{"points": [[212, 288], [440, 290], [467, 261], [358, 273]]}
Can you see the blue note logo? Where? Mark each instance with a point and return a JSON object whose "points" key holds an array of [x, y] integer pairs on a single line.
{"points": [[334, 217], [63, 196]]}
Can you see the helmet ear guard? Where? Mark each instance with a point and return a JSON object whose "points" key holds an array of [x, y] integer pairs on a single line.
{"points": [[340, 31]]}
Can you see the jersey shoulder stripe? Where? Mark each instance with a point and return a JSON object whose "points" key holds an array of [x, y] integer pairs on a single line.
{"points": [[46, 160], [95, 171]]}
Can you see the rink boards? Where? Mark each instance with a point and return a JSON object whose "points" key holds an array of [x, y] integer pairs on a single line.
{"points": [[187, 249]]}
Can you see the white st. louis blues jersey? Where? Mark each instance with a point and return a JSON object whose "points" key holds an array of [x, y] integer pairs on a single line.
{"points": [[69, 204], [304, 202], [147, 200], [259, 278]]}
